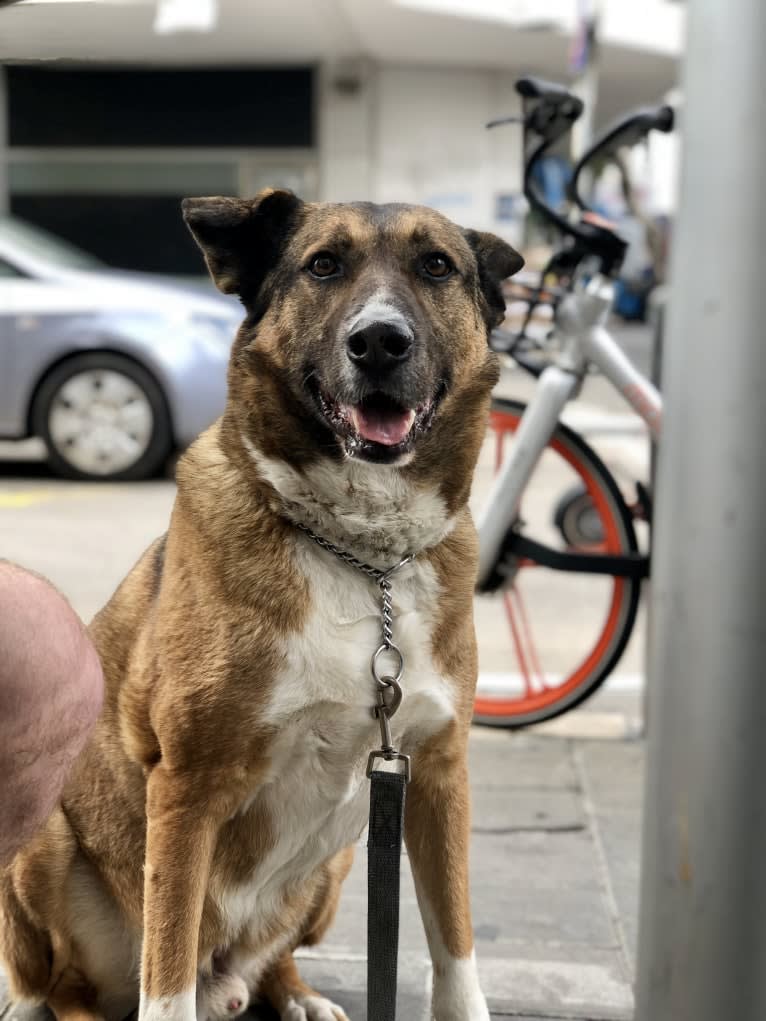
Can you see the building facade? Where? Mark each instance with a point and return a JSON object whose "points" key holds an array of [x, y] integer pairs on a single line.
{"points": [[100, 145]]}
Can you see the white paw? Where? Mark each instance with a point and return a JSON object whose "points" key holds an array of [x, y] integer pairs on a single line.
{"points": [[475, 1012], [312, 1008], [221, 997], [457, 995], [473, 1008]]}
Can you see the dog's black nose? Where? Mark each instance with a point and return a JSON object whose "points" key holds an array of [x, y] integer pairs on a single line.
{"points": [[379, 347]]}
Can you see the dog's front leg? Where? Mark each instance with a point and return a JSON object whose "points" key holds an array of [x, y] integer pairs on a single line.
{"points": [[182, 827], [437, 828]]}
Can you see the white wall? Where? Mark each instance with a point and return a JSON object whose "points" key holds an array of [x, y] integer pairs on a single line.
{"points": [[346, 119], [431, 145], [418, 135], [657, 26]]}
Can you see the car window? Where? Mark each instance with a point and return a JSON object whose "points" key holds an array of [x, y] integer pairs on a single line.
{"points": [[9, 272], [39, 244]]}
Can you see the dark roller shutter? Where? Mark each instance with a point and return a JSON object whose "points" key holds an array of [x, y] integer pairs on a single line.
{"points": [[118, 107]]}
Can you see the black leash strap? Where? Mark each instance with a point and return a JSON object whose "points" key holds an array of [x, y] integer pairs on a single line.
{"points": [[384, 849]]}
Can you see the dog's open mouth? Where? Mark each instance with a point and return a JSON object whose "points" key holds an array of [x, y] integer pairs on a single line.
{"points": [[377, 428]]}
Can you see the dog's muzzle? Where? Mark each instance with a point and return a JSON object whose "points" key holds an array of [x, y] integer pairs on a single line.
{"points": [[377, 349], [381, 403]]}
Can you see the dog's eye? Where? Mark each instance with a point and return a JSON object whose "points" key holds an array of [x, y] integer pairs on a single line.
{"points": [[324, 265], [437, 265]]}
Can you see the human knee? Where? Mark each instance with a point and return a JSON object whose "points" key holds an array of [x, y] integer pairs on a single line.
{"points": [[51, 690], [49, 670]]}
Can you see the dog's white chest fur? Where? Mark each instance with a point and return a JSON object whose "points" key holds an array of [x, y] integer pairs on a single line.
{"points": [[316, 794]]}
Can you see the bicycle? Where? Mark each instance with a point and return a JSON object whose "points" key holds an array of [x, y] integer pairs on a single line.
{"points": [[589, 536]]}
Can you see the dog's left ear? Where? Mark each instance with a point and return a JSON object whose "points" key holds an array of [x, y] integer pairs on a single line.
{"points": [[496, 260], [242, 239]]}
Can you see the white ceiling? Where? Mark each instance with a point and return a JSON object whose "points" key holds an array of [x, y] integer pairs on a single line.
{"points": [[307, 31]]}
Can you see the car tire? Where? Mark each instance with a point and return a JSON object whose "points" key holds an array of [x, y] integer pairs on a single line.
{"points": [[102, 417]]}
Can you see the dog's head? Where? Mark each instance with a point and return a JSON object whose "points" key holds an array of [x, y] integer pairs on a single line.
{"points": [[366, 329]]}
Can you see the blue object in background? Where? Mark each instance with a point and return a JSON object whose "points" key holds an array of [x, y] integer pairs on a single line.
{"points": [[553, 174]]}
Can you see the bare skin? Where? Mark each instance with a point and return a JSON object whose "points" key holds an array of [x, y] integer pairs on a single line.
{"points": [[51, 690]]}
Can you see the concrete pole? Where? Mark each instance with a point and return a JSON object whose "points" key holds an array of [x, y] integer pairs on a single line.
{"points": [[702, 944]]}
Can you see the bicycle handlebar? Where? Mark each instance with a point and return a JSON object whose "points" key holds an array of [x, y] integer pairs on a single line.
{"points": [[550, 110], [627, 131]]}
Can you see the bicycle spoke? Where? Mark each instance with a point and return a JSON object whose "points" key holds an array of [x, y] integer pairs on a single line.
{"points": [[531, 645], [532, 684], [499, 445], [521, 658]]}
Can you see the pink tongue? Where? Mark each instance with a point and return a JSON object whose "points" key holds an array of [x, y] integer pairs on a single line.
{"points": [[387, 427]]}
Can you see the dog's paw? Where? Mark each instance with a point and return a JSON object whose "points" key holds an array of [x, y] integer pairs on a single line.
{"points": [[457, 994], [221, 997], [479, 1013], [312, 1008]]}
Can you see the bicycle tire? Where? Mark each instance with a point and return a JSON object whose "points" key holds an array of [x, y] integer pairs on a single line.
{"points": [[610, 643]]}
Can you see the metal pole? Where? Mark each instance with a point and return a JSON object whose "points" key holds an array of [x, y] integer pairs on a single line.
{"points": [[702, 944], [585, 84], [4, 185]]}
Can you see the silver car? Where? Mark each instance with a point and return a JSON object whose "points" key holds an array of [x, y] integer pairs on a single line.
{"points": [[113, 370]]}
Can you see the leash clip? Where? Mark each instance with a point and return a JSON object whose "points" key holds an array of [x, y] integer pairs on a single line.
{"points": [[389, 700], [390, 756]]}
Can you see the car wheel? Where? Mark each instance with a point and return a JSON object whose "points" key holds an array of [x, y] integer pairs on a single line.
{"points": [[102, 416]]}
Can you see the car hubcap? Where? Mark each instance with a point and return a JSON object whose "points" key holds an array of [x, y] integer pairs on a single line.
{"points": [[101, 422]]}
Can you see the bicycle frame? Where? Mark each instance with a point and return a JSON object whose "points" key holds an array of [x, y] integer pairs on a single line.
{"points": [[580, 326]]}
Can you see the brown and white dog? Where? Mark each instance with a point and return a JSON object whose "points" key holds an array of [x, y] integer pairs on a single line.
{"points": [[206, 829]]}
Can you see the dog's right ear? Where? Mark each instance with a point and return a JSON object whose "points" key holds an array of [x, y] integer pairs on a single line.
{"points": [[241, 239]]}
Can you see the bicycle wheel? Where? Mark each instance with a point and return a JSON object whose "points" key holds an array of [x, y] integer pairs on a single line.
{"points": [[550, 638]]}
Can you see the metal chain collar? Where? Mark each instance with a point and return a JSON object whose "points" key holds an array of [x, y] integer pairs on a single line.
{"points": [[389, 689]]}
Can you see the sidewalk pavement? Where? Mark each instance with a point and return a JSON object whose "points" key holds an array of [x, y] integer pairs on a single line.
{"points": [[555, 852]]}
